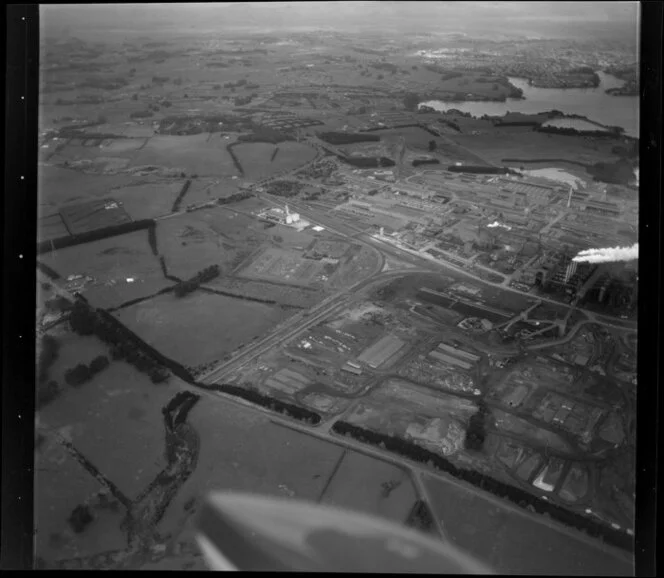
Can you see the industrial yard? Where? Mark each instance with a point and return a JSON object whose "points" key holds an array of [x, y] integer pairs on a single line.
{"points": [[332, 291]]}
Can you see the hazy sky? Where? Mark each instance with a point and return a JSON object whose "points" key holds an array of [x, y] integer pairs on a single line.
{"points": [[547, 18]]}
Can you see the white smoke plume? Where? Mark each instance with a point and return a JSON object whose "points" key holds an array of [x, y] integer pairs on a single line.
{"points": [[497, 224], [608, 255]]}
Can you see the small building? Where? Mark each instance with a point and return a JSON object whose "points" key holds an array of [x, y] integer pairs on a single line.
{"points": [[351, 368]]}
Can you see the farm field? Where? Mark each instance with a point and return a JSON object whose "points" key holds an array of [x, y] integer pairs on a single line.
{"points": [[115, 419], [498, 144], [200, 327], [278, 265], [256, 162], [149, 197], [513, 543], [415, 137], [242, 450], [122, 145], [197, 240], [365, 484], [288, 295], [111, 262], [193, 154], [93, 215], [61, 484], [204, 189], [57, 186], [51, 227]]}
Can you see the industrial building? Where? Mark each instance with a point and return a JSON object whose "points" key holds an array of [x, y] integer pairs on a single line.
{"points": [[381, 351], [604, 208], [353, 368]]}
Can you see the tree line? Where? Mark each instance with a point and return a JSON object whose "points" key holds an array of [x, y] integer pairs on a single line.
{"points": [[207, 274], [178, 199], [82, 373], [89, 236], [269, 402]]}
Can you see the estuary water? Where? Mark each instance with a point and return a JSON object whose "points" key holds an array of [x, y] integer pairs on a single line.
{"points": [[592, 103]]}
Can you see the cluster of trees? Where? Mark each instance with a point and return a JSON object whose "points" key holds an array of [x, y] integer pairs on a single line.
{"points": [[80, 518], [83, 373], [516, 495], [481, 170], [234, 198], [369, 162], [46, 393], [607, 132], [388, 66], [124, 344], [141, 114], [476, 432], [185, 287], [239, 83], [271, 403], [48, 353], [47, 390], [621, 172], [420, 518], [180, 406], [178, 199], [242, 100], [418, 162], [87, 237], [284, 188], [453, 125], [341, 138], [265, 134], [410, 101]]}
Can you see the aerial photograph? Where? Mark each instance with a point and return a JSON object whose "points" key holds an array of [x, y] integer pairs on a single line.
{"points": [[375, 256]]}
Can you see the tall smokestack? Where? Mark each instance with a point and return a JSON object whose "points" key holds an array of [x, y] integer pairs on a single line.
{"points": [[571, 269]]}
